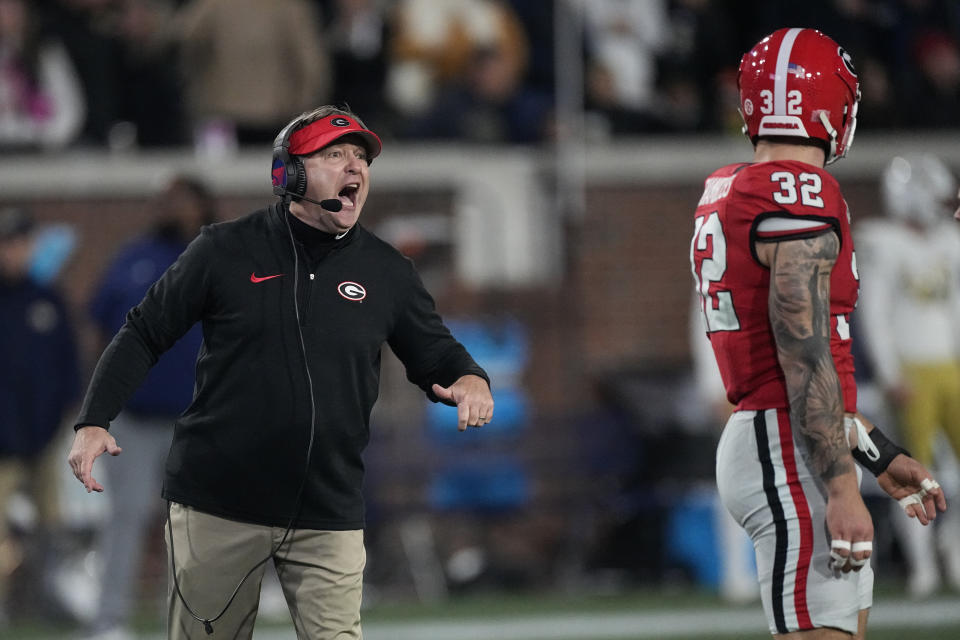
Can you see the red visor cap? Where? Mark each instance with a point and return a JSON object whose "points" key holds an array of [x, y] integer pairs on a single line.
{"points": [[326, 131]]}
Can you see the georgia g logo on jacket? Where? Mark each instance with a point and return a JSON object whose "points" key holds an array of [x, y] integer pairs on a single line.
{"points": [[352, 291]]}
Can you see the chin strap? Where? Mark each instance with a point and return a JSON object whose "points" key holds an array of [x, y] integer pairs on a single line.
{"points": [[833, 148]]}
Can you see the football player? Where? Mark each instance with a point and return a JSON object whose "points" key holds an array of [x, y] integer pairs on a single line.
{"points": [[774, 266], [908, 309]]}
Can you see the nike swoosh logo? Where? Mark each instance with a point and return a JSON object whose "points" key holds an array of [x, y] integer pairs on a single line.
{"points": [[255, 278]]}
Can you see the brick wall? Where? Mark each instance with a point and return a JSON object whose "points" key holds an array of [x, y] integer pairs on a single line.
{"points": [[624, 304]]}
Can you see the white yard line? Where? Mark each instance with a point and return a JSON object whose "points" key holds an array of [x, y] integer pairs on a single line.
{"points": [[942, 613]]}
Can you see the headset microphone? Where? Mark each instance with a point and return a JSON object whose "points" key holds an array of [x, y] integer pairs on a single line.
{"points": [[330, 204]]}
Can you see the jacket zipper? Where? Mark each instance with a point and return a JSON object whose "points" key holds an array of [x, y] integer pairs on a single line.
{"points": [[307, 287]]}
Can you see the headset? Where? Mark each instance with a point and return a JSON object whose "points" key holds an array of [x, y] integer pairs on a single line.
{"points": [[288, 175]]}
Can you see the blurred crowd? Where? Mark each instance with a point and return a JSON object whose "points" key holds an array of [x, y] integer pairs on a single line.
{"points": [[218, 74], [43, 543]]}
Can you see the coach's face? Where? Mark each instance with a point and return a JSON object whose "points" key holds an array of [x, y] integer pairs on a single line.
{"points": [[338, 171]]}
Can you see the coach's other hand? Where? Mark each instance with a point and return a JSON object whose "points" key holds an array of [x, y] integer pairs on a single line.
{"points": [[89, 443], [471, 395]]}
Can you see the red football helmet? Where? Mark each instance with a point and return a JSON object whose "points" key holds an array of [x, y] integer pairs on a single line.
{"points": [[799, 82]]}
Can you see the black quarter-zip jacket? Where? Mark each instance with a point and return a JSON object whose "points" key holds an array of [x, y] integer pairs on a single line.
{"points": [[240, 449]]}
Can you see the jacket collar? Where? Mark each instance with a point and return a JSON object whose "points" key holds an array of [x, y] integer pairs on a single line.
{"points": [[277, 222]]}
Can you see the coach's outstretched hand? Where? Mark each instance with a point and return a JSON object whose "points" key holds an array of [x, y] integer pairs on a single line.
{"points": [[471, 395], [88, 444], [909, 482]]}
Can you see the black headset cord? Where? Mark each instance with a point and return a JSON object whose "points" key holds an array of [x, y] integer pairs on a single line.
{"points": [[208, 622]]}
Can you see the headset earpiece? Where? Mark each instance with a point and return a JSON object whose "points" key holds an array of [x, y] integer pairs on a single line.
{"points": [[296, 177], [287, 174]]}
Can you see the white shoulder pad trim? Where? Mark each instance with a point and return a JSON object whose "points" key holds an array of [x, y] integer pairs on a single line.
{"points": [[781, 225]]}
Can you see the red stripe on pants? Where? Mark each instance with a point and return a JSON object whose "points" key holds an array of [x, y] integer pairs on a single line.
{"points": [[803, 520]]}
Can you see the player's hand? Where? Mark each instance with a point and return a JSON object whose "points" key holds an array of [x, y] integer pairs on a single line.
{"points": [[89, 443], [909, 482], [850, 526], [471, 395]]}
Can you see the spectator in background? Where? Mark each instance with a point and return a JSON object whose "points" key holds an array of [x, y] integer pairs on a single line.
{"points": [[357, 36], [145, 427], [934, 101], [623, 40], [433, 43], [152, 100], [868, 28], [38, 381], [697, 82], [41, 101], [538, 21], [910, 307], [880, 105], [84, 27], [246, 64], [488, 104]]}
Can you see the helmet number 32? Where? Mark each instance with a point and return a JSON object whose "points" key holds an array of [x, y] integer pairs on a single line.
{"points": [[794, 98]]}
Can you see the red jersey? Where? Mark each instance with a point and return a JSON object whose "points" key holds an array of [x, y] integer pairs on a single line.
{"points": [[742, 203]]}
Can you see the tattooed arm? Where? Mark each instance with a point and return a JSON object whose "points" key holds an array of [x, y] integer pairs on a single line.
{"points": [[800, 320], [799, 309]]}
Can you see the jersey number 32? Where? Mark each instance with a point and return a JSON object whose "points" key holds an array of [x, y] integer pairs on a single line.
{"points": [[716, 304]]}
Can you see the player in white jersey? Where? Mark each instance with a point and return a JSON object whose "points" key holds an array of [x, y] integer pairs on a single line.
{"points": [[910, 305]]}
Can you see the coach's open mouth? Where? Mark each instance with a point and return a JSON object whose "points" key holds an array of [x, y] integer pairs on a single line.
{"points": [[348, 195]]}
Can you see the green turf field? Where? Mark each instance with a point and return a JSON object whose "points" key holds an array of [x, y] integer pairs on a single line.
{"points": [[637, 615]]}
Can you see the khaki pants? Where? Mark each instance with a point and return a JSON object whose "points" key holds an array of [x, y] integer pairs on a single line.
{"points": [[321, 573], [38, 479]]}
